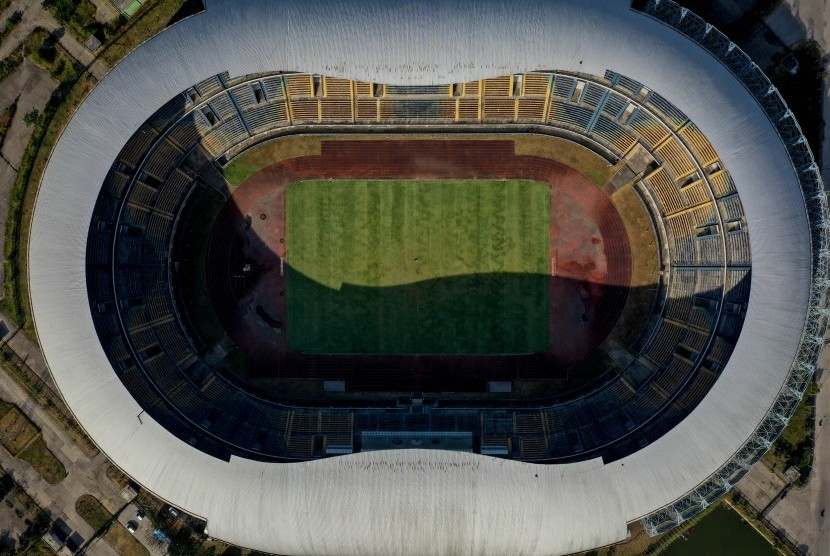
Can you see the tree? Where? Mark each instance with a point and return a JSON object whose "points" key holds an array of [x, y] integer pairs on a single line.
{"points": [[31, 118], [61, 9]]}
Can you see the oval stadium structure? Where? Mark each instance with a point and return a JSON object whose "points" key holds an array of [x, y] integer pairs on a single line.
{"points": [[396, 277]]}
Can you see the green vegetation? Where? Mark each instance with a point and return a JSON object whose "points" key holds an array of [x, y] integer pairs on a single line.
{"points": [[39, 548], [11, 23], [6, 120], [23, 440], [78, 16], [418, 266], [73, 87], [73, 84], [722, 531], [24, 376], [30, 541], [270, 152], [32, 117], [44, 461], [153, 16], [36, 519], [98, 517], [240, 170], [16, 431], [92, 511], [795, 445]]}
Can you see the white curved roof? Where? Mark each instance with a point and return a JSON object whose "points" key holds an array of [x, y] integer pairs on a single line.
{"points": [[422, 502]]}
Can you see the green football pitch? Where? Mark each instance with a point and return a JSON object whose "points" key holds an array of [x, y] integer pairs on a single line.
{"points": [[417, 266]]}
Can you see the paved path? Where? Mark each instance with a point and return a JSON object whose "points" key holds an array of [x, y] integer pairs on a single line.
{"points": [[144, 532], [105, 10], [27, 350], [34, 16], [799, 513], [84, 475], [814, 15], [32, 87]]}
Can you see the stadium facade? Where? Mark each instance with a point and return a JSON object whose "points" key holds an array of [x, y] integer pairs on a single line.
{"points": [[448, 502]]}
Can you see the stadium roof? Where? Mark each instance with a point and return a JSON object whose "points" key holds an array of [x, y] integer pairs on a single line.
{"points": [[413, 501]]}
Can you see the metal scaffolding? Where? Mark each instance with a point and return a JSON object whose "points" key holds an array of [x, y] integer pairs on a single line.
{"points": [[815, 200]]}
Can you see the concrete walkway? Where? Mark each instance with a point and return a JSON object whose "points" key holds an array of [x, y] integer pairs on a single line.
{"points": [[105, 10], [84, 475], [32, 87], [813, 16], [800, 512], [34, 16]]}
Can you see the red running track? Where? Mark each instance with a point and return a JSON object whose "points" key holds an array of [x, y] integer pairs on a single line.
{"points": [[590, 253]]}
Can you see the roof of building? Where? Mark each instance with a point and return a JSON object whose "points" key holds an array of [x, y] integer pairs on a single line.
{"points": [[419, 501]]}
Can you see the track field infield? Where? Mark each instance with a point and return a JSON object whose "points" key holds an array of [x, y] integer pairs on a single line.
{"points": [[417, 266]]}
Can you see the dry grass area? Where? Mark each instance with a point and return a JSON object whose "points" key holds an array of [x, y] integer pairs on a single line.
{"points": [[23, 440], [580, 158], [6, 121], [124, 542], [645, 259], [44, 461], [16, 431], [645, 264], [151, 18], [92, 511], [271, 152]]}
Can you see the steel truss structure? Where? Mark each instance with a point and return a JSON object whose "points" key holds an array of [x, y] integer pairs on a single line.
{"points": [[812, 339]]}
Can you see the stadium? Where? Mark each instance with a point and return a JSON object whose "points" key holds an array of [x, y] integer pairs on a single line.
{"points": [[432, 278]]}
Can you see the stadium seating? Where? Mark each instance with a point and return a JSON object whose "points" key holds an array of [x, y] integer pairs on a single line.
{"points": [[707, 275]]}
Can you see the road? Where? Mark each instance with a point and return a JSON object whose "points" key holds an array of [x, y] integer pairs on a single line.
{"points": [[814, 16]]}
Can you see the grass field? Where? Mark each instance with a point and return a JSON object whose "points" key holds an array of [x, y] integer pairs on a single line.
{"points": [[722, 531], [414, 266]]}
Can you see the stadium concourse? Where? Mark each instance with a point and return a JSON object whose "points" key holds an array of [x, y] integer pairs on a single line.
{"points": [[679, 113]]}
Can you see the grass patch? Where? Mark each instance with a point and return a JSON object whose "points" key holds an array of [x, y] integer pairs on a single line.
{"points": [[92, 511], [795, 445], [271, 152], [124, 542], [581, 159], [54, 406], [240, 170], [39, 548], [23, 440], [722, 531], [44, 461], [417, 266], [97, 516], [16, 430]]}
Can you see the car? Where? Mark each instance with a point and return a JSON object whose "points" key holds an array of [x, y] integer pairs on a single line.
{"points": [[132, 526], [140, 515]]}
